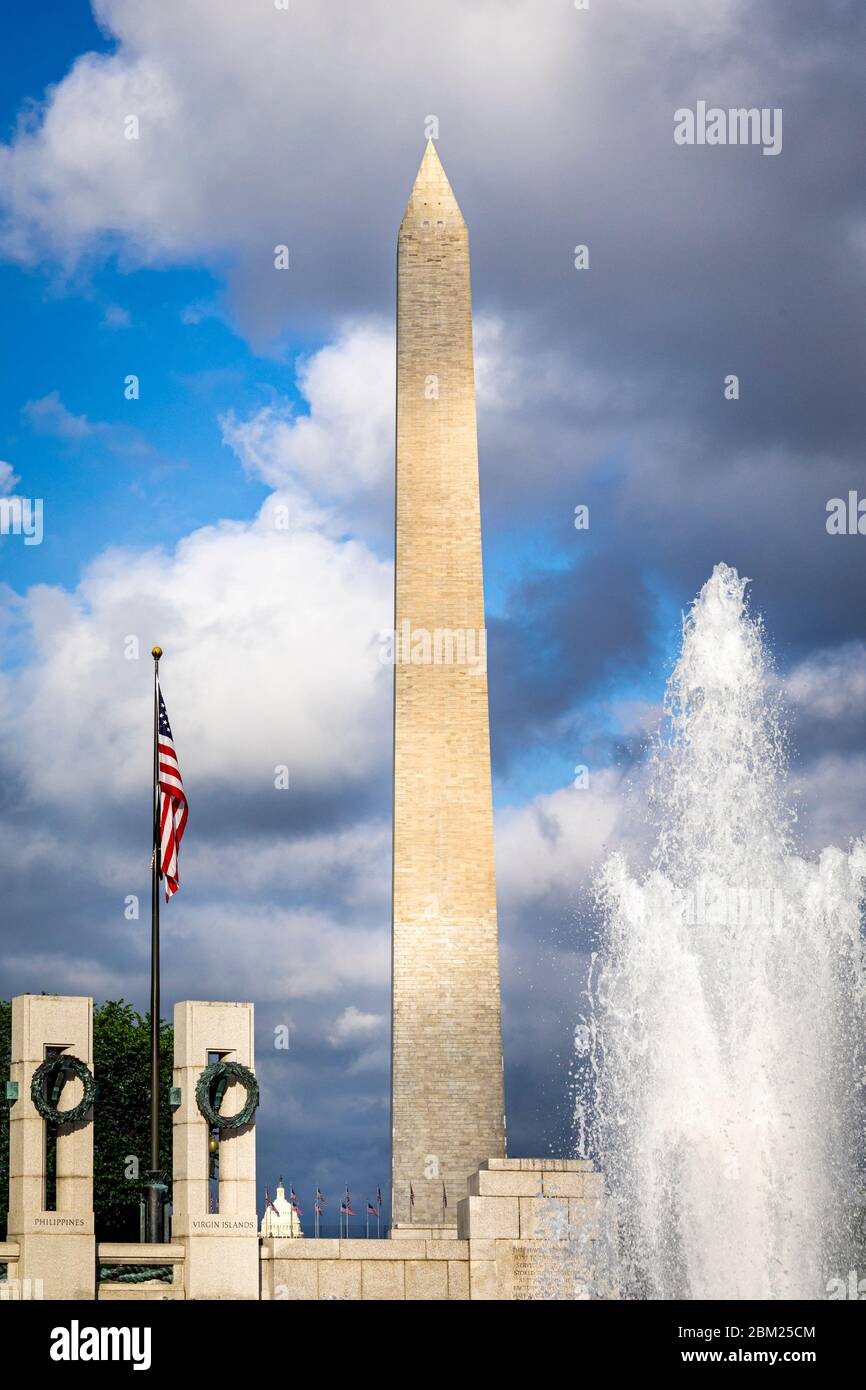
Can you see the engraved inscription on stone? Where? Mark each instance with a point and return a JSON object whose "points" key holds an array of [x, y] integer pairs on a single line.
{"points": [[528, 1276], [546, 1270]]}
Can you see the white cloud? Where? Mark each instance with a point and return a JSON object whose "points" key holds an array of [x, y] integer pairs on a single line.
{"points": [[75, 168], [79, 974], [191, 315], [49, 415], [282, 954], [832, 793], [550, 848], [354, 1026], [258, 127], [340, 446], [345, 444], [8, 478], [831, 684], [366, 1035], [271, 641], [115, 316], [201, 80], [351, 863]]}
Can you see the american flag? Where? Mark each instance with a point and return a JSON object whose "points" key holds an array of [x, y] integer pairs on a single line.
{"points": [[173, 809], [269, 1206]]}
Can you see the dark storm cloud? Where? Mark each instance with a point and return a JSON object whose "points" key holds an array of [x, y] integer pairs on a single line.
{"points": [[566, 634], [545, 959], [310, 808], [703, 260]]}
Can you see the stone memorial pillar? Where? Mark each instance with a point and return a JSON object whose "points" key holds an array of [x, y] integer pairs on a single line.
{"points": [[57, 1244], [220, 1237]]}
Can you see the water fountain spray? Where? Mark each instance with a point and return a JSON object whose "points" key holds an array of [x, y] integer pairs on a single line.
{"points": [[727, 1032]]}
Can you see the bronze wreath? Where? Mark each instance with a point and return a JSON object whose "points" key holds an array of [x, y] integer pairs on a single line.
{"points": [[53, 1069], [210, 1089]]}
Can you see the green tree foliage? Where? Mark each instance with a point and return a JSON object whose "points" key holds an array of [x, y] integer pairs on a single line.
{"points": [[121, 1139], [121, 1136]]}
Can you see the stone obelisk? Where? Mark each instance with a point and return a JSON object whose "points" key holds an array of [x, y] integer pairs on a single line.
{"points": [[447, 1083]]}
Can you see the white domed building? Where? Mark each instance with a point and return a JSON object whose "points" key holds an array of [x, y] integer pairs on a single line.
{"points": [[285, 1222]]}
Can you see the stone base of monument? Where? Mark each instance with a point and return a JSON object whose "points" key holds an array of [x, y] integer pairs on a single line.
{"points": [[417, 1231], [538, 1229], [529, 1229], [410, 1268]]}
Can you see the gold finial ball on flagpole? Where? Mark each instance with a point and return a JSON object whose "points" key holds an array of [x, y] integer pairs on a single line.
{"points": [[156, 653]]}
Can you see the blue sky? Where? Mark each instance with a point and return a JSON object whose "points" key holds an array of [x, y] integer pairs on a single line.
{"points": [[65, 31], [153, 469], [260, 390]]}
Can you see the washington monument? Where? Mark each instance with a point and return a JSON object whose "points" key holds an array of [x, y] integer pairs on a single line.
{"points": [[446, 1082]]}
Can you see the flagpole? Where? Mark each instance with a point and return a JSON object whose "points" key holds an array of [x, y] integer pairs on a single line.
{"points": [[154, 1234]]}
